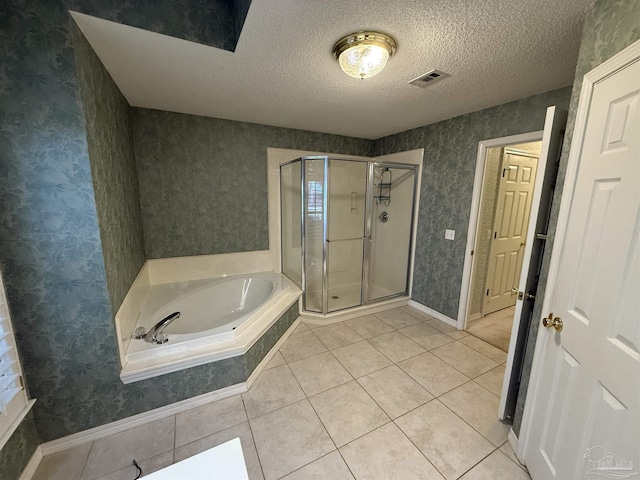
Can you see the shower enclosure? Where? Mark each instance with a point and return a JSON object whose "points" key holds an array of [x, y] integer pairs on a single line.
{"points": [[346, 230]]}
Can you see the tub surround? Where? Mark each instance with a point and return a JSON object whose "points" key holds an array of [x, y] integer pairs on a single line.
{"points": [[144, 360]]}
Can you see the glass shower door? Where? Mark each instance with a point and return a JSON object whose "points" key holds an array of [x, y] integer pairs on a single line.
{"points": [[291, 220], [313, 216], [345, 236], [393, 189]]}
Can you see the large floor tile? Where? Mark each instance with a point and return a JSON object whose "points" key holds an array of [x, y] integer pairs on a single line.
{"points": [[479, 408], [492, 380], [361, 358], [395, 346], [447, 441], [369, 326], [301, 345], [414, 312], [348, 412], [426, 336], [337, 335], [65, 465], [319, 373], [209, 419], [386, 453], [289, 438], [274, 388], [276, 361], [432, 373], [484, 348], [242, 431], [508, 451], [329, 467], [395, 391], [496, 467], [464, 359], [148, 466], [118, 450], [397, 318], [448, 329]]}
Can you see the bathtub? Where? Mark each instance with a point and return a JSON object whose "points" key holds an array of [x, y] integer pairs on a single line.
{"points": [[215, 314]]}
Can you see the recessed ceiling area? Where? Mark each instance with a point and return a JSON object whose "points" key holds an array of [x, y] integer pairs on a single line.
{"points": [[282, 72]]}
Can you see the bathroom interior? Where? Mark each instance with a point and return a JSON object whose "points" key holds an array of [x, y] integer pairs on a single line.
{"points": [[207, 233]]}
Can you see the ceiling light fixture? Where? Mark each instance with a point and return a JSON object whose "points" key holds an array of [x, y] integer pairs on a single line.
{"points": [[364, 54]]}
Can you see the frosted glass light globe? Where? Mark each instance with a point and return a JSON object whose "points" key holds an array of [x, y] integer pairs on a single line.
{"points": [[363, 61], [364, 54]]}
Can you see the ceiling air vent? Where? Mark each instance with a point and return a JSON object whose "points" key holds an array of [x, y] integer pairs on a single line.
{"points": [[428, 78]]}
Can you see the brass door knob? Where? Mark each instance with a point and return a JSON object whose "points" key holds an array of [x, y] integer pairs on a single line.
{"points": [[552, 322]]}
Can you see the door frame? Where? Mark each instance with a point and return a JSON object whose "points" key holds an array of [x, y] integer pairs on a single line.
{"points": [[609, 67], [476, 200]]}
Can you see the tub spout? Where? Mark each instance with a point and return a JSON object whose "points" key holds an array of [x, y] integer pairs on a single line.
{"points": [[156, 334]]}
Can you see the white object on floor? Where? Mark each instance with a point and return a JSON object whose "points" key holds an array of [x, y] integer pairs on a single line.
{"points": [[224, 462]]}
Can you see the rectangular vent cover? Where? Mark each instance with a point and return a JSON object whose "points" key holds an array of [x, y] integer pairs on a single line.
{"points": [[428, 78]]}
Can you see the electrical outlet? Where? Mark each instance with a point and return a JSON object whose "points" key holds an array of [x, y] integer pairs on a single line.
{"points": [[449, 234]]}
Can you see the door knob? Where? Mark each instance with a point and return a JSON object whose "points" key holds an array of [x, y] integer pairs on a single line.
{"points": [[552, 322]]}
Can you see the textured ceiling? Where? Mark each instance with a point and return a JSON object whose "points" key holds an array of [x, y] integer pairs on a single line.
{"points": [[282, 72]]}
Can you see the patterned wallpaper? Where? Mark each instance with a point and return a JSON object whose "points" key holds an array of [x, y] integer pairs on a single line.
{"points": [[451, 148], [18, 450], [609, 27], [50, 245], [203, 181], [208, 22], [113, 169]]}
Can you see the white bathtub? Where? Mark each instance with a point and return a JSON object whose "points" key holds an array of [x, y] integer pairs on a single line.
{"points": [[213, 313]]}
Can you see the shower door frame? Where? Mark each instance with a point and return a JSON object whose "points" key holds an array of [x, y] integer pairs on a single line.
{"points": [[367, 229]]}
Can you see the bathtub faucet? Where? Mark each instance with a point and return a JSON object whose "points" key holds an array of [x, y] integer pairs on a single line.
{"points": [[156, 334]]}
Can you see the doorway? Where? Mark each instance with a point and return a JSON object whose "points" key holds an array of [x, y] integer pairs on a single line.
{"points": [[503, 219]]}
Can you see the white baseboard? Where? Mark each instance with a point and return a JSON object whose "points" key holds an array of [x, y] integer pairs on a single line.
{"points": [[513, 441], [475, 316], [433, 313], [30, 470], [118, 426]]}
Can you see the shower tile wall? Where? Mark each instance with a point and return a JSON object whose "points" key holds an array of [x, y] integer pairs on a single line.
{"points": [[609, 27], [450, 151]]}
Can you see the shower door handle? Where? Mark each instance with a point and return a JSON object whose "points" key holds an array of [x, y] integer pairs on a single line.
{"points": [[344, 239]]}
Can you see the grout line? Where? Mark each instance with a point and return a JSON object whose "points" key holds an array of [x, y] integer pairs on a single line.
{"points": [[175, 434], [86, 460], [253, 438]]}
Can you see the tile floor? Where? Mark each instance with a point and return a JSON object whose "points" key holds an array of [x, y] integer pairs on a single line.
{"points": [[494, 328], [395, 395]]}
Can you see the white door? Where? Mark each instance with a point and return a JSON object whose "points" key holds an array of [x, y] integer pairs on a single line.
{"points": [[510, 228], [554, 126], [585, 389]]}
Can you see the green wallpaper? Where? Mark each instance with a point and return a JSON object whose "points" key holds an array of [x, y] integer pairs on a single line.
{"points": [[113, 170], [17, 452], [450, 151], [609, 27], [203, 181]]}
